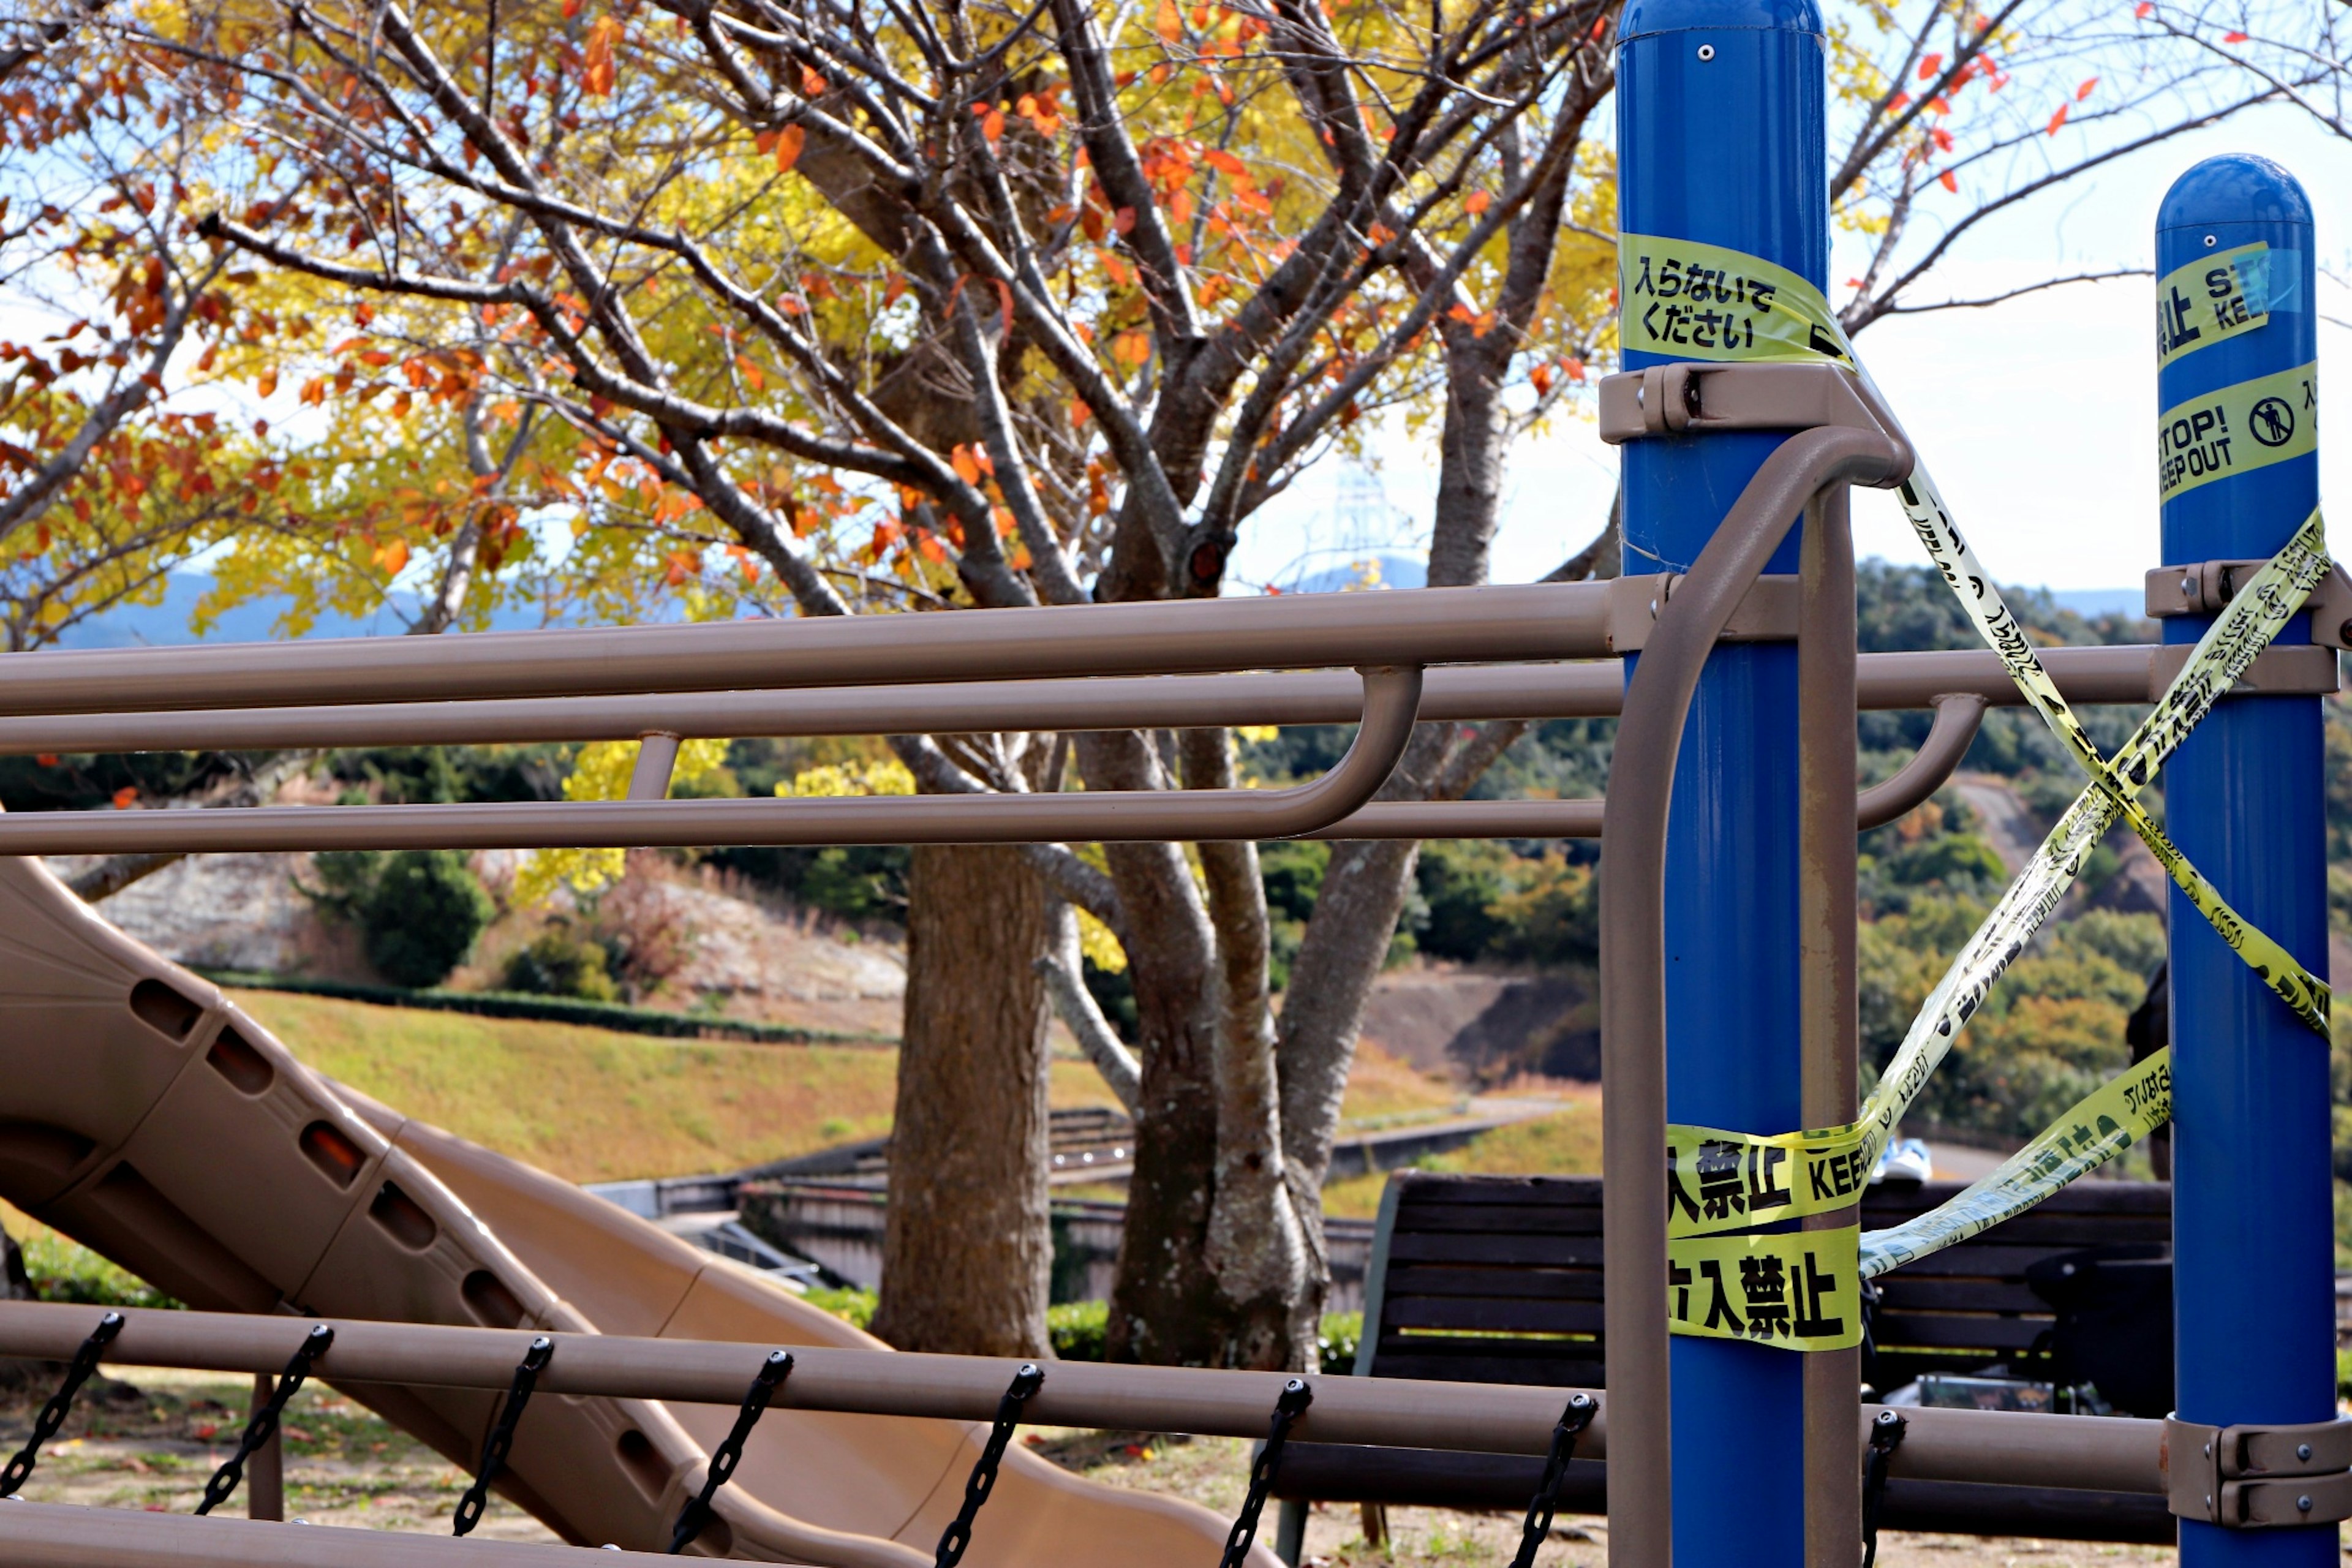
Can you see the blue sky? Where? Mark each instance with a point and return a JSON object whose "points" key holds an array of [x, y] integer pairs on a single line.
{"points": [[2036, 417]]}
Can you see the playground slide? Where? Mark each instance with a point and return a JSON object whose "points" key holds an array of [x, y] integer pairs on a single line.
{"points": [[145, 1115]]}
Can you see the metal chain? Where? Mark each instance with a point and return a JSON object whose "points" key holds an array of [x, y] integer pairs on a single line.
{"points": [[1885, 1436], [265, 1420], [53, 1415], [1581, 1409], [697, 1513], [982, 1480], [1295, 1399], [495, 1445]]}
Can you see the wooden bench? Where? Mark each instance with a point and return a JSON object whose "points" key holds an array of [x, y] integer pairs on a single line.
{"points": [[1498, 1280]]}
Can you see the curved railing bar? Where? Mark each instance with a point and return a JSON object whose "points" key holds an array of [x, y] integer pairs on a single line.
{"points": [[1391, 697], [1957, 716], [1633, 956]]}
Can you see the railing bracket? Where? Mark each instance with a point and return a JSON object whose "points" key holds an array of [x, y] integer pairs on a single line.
{"points": [[2252, 1478], [2202, 587]]}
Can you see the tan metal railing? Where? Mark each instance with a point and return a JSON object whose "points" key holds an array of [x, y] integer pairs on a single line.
{"points": [[2110, 1454]]}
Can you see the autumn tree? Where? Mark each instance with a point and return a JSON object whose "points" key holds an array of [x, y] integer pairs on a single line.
{"points": [[977, 307]]}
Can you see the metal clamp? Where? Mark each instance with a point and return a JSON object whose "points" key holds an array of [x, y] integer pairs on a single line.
{"points": [[1688, 398], [2253, 1478], [2202, 587], [1768, 614]]}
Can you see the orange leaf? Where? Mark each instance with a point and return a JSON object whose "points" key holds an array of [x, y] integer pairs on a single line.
{"points": [[2145, 8], [992, 124], [966, 467], [2233, 37], [2056, 120], [125, 796], [1930, 66], [1949, 183], [1169, 23], [1477, 202], [812, 84], [751, 372], [788, 148], [268, 382], [599, 75], [2083, 91], [392, 557]]}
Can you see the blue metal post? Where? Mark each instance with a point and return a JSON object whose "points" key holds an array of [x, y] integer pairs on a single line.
{"points": [[2253, 1237], [1721, 140]]}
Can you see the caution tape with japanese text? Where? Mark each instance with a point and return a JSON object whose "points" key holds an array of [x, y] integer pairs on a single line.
{"points": [[1690, 301]]}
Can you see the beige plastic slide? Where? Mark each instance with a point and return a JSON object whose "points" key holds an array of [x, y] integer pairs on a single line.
{"points": [[146, 1116]]}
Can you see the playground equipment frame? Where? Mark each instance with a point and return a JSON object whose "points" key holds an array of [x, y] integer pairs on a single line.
{"points": [[2111, 1454]]}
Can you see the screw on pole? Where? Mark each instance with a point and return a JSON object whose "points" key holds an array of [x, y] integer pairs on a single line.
{"points": [[265, 1420], [2253, 1290], [60, 1403], [501, 1441], [957, 1537]]}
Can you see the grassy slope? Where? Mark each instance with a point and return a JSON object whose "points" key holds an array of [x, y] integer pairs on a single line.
{"points": [[591, 1105], [1565, 1143]]}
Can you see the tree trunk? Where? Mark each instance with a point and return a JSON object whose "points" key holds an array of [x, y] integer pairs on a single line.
{"points": [[968, 1252]]}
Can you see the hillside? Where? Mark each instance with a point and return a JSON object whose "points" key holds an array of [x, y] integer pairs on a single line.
{"points": [[591, 1105]]}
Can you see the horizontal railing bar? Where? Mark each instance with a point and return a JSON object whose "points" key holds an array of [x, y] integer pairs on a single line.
{"points": [[56, 1535], [1427, 625], [1469, 1417], [2095, 1453], [1591, 690]]}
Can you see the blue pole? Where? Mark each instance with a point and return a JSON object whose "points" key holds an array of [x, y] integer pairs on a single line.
{"points": [[1721, 140], [2254, 1234]]}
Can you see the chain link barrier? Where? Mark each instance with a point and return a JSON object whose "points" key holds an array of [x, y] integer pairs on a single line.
{"points": [[982, 1480], [1885, 1436], [501, 1441], [1581, 1409], [265, 1420], [1292, 1404], [53, 1415], [728, 1453]]}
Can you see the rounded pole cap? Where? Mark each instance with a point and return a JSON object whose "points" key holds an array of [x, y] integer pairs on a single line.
{"points": [[2236, 187], [1642, 17]]}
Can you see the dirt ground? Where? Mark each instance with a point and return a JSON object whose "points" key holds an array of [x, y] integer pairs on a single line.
{"points": [[153, 1444]]}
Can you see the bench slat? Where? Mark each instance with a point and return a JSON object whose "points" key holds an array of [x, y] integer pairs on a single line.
{"points": [[1540, 1251], [1539, 1284], [1503, 1315]]}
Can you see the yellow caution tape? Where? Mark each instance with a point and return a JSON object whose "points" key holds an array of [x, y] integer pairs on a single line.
{"points": [[1799, 1290], [1691, 300], [2212, 300], [2102, 1125], [1823, 1165], [2237, 429], [1744, 308]]}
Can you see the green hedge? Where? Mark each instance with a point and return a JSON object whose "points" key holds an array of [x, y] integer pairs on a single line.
{"points": [[550, 1009]]}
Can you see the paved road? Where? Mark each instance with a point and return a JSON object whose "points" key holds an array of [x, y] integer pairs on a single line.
{"points": [[2001, 817]]}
